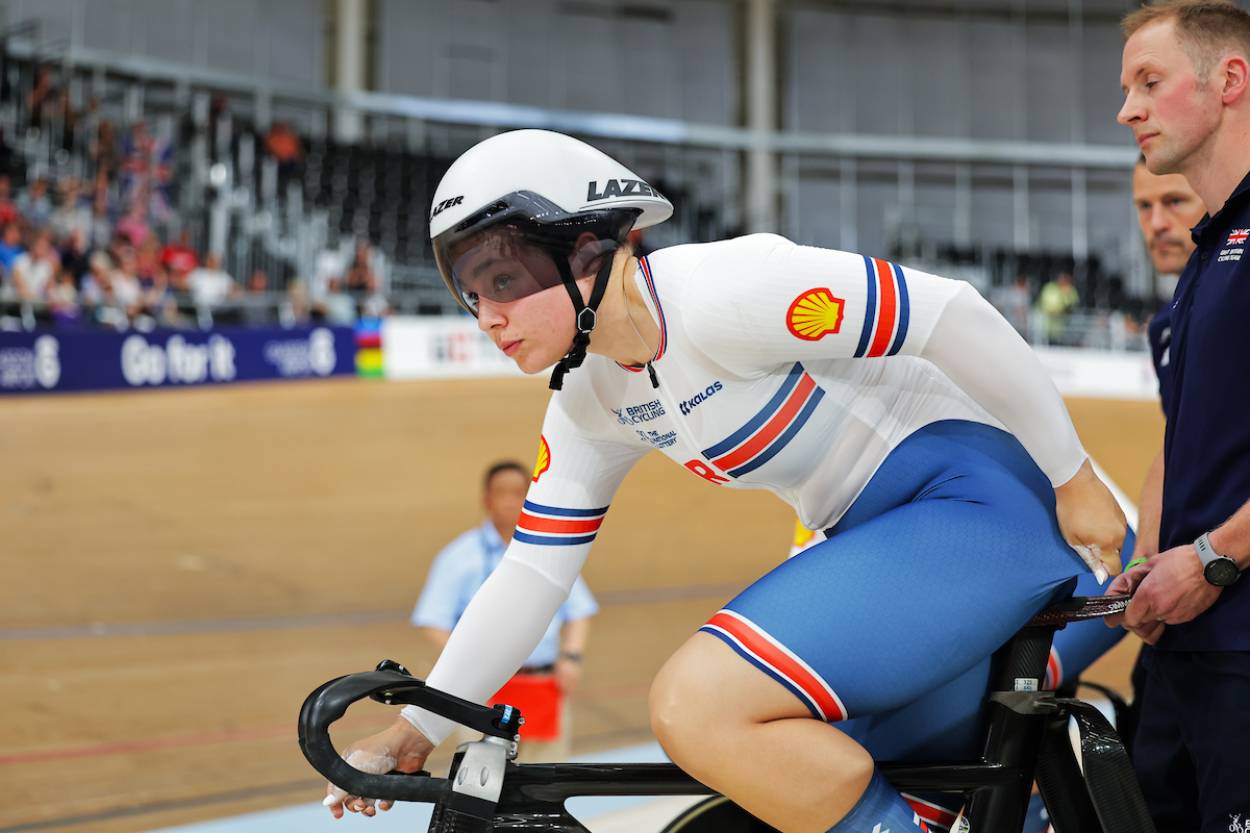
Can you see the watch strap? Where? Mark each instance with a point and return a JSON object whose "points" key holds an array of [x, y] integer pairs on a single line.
{"points": [[1206, 552]]}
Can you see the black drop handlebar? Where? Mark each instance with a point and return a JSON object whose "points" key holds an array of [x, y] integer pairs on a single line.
{"points": [[390, 684]]}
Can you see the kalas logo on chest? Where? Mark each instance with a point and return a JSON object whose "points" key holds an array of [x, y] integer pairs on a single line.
{"points": [[688, 405]]}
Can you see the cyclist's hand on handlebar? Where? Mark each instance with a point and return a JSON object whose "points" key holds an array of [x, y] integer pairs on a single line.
{"points": [[1091, 521], [398, 747]]}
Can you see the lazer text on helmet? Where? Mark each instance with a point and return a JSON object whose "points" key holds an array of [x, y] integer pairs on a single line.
{"points": [[444, 205], [619, 188]]}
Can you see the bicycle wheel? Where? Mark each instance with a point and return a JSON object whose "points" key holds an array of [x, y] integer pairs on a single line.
{"points": [[716, 815]]}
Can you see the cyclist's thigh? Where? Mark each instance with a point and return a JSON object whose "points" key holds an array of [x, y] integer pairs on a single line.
{"points": [[897, 606], [944, 723]]}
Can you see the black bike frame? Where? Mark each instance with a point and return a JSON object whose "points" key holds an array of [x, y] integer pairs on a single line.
{"points": [[1026, 738]]}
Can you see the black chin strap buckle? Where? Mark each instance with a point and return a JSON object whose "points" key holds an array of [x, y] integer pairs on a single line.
{"points": [[585, 319]]}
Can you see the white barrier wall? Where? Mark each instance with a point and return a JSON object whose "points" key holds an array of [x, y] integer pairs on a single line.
{"points": [[429, 348], [1100, 374], [435, 347]]}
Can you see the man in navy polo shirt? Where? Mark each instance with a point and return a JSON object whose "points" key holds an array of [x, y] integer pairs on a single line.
{"points": [[1186, 80]]}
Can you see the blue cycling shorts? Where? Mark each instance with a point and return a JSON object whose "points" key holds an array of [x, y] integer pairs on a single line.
{"points": [[889, 625]]}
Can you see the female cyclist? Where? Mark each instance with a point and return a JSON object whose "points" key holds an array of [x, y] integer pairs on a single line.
{"points": [[894, 409]]}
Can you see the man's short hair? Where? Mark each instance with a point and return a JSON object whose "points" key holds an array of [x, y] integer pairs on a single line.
{"points": [[500, 467], [1208, 29]]}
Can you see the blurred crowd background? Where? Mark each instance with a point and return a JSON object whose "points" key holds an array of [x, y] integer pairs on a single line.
{"points": [[190, 165]]}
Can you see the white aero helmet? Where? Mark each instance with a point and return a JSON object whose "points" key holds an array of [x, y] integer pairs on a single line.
{"points": [[524, 211]]}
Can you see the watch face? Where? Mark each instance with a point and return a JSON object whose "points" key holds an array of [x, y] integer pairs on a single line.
{"points": [[1221, 572]]}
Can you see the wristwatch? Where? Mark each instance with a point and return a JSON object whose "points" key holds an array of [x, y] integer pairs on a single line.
{"points": [[1217, 569]]}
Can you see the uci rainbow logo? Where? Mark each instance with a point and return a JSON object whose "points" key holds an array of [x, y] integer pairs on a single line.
{"points": [[544, 458], [815, 314]]}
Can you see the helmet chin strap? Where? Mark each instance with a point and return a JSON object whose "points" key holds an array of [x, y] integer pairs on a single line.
{"points": [[584, 314]]}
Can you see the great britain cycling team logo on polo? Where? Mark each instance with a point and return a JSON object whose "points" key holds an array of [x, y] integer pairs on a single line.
{"points": [[1236, 245], [815, 314], [544, 458]]}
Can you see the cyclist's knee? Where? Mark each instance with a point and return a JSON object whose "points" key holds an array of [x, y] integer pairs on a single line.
{"points": [[669, 703], [684, 699]]}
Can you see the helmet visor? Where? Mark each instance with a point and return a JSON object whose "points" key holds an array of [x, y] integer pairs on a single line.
{"points": [[499, 263], [512, 248]]}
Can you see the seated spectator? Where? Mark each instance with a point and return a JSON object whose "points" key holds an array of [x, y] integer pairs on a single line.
{"points": [[134, 224], [34, 204], [40, 101], [103, 150], [33, 271], [179, 255], [127, 291], [360, 278], [151, 274], [209, 285], [283, 144], [257, 307], [10, 247], [177, 276], [72, 214], [74, 256], [363, 282], [8, 211], [297, 309], [101, 218], [62, 298], [329, 266], [97, 293], [337, 307]]}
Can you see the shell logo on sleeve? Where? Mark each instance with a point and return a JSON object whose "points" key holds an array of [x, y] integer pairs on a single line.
{"points": [[544, 458], [815, 314]]}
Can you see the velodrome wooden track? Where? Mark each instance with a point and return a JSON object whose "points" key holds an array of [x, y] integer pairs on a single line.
{"points": [[181, 567]]}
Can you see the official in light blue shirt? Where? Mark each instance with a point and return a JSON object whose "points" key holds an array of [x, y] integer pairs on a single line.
{"points": [[461, 568], [463, 565]]}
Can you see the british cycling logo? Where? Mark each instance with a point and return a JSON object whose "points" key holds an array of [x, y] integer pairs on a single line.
{"points": [[815, 314], [1235, 825], [688, 405], [544, 458], [637, 414]]}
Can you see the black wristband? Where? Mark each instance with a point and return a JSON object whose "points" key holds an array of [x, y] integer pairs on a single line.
{"points": [[571, 656]]}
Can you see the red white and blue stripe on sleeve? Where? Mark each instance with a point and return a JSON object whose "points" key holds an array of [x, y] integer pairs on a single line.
{"points": [[886, 312], [770, 430], [557, 526]]}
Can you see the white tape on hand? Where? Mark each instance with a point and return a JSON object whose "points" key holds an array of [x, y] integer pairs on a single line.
{"points": [[1091, 554], [365, 760]]}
